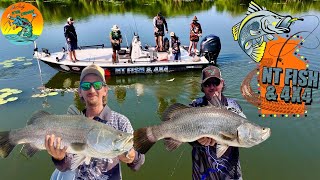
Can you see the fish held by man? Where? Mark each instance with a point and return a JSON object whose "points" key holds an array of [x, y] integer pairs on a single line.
{"points": [[182, 123], [258, 25], [82, 136]]}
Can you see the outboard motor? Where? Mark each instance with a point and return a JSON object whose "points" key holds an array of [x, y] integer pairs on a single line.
{"points": [[210, 47]]}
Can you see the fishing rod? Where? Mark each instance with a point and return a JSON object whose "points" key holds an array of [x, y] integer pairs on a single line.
{"points": [[40, 71]]}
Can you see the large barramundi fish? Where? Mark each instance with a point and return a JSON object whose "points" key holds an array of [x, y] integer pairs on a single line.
{"points": [[183, 123], [86, 138], [259, 23]]}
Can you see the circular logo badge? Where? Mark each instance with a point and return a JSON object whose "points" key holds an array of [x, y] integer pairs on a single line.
{"points": [[21, 23]]}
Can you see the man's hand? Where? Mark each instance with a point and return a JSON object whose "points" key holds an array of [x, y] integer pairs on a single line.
{"points": [[68, 39], [53, 145], [127, 157], [205, 141]]}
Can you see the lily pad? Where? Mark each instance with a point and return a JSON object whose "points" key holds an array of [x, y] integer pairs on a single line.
{"points": [[52, 93], [35, 95], [7, 61], [39, 95], [4, 95], [27, 63], [15, 91], [42, 95], [2, 101], [8, 65], [5, 90], [18, 60], [12, 99]]}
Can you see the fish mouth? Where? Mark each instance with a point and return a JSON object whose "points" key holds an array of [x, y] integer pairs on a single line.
{"points": [[285, 22], [266, 133]]}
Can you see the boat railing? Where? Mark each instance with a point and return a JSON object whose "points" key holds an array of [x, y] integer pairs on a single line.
{"points": [[92, 46]]}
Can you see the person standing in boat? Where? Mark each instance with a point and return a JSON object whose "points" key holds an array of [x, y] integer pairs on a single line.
{"points": [[195, 33], [175, 46], [159, 23], [115, 39], [71, 37]]}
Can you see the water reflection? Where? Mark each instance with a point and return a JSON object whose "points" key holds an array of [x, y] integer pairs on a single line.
{"points": [[184, 88], [57, 10]]}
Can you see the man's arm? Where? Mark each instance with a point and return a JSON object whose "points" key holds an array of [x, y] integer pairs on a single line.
{"points": [[66, 32], [133, 158], [165, 24], [200, 29], [110, 37]]}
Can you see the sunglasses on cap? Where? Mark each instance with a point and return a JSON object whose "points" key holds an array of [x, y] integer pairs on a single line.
{"points": [[213, 81], [96, 85]]}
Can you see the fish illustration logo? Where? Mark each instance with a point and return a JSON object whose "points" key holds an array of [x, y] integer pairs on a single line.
{"points": [[258, 25], [21, 23]]}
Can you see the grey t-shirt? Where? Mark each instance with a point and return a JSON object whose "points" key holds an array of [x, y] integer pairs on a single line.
{"points": [[102, 168]]}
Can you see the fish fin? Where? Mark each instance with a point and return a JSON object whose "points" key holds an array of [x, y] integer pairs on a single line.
{"points": [[5, 146], [78, 146], [77, 160], [171, 144], [258, 52], [260, 40], [227, 136], [235, 31], [72, 110], [215, 102], [141, 140], [170, 111], [221, 149], [253, 7], [87, 160], [37, 115], [248, 45], [270, 37], [28, 150]]}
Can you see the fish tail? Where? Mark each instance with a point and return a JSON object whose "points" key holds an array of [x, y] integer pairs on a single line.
{"points": [[5, 145], [143, 139]]}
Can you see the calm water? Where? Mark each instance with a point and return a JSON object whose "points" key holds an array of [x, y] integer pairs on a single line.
{"points": [[290, 153]]}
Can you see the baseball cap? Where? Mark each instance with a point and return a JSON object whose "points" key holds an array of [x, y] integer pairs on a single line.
{"points": [[93, 69], [172, 34], [70, 19], [210, 72]]}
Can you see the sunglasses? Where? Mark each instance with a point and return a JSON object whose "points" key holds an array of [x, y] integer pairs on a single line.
{"points": [[213, 81], [96, 85]]}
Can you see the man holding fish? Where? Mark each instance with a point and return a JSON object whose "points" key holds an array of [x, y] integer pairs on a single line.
{"points": [[93, 91], [212, 119], [204, 149]]}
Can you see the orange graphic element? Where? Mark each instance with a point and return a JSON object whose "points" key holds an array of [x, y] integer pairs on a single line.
{"points": [[22, 22], [287, 59]]}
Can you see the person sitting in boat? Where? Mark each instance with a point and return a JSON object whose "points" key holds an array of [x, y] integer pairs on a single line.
{"points": [[71, 37], [115, 39], [175, 46], [159, 22]]}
